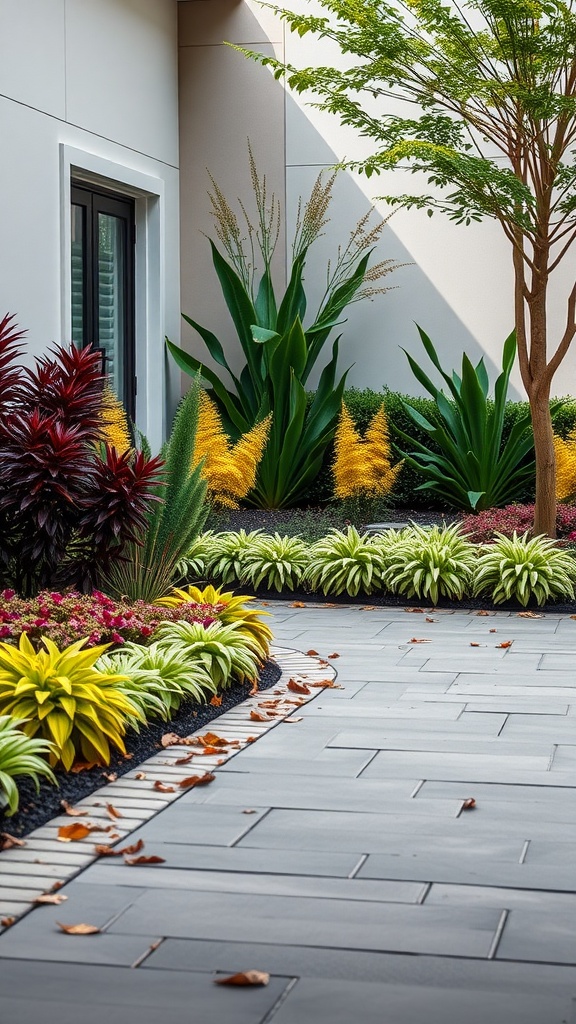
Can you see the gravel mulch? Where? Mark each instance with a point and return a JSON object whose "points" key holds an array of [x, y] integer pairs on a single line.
{"points": [[36, 809]]}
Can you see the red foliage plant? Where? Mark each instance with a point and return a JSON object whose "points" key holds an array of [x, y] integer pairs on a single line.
{"points": [[482, 526], [71, 616], [68, 505]]}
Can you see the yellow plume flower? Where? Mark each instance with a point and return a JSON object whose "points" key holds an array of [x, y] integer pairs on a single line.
{"points": [[229, 470], [565, 466], [362, 464], [113, 422]]}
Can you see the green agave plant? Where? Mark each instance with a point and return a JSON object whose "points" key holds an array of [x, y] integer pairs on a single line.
{"points": [[278, 561], [225, 653], [194, 563], [474, 468], [279, 352], [227, 552], [20, 755], [519, 568], [430, 563], [345, 562], [159, 678]]}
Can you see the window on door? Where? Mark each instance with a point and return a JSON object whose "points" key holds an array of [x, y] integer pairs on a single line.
{"points": [[103, 235]]}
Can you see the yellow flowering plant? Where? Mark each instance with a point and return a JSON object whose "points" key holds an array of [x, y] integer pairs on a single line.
{"points": [[228, 469], [363, 471]]}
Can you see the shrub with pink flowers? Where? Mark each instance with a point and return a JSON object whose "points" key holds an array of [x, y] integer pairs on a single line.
{"points": [[71, 616], [520, 518]]}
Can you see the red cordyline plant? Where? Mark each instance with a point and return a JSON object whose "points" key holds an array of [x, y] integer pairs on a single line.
{"points": [[481, 527], [71, 616], [68, 505]]}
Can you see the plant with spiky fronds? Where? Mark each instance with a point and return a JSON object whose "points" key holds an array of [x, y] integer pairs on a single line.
{"points": [[431, 563], [225, 652], [20, 755], [345, 562], [159, 678], [277, 561], [229, 607], [149, 567], [280, 352], [520, 568], [228, 469], [225, 560]]}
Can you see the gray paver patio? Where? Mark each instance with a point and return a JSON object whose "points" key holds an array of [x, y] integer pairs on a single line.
{"points": [[359, 882]]}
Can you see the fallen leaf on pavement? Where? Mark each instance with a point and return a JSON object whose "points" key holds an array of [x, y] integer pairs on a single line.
{"points": [[297, 604], [469, 804], [169, 739], [78, 929], [83, 766], [312, 653], [7, 841], [417, 640], [428, 619], [296, 687], [506, 643], [105, 851], [113, 812], [72, 811], [140, 775], [6, 922], [483, 612], [79, 830], [210, 739], [257, 717], [251, 739], [197, 780], [532, 615], [368, 608], [250, 810], [245, 978], [326, 684], [289, 721], [186, 759], [335, 655], [110, 776], [133, 848], [134, 861], [216, 701], [162, 787], [492, 630], [254, 688], [55, 898], [421, 610]]}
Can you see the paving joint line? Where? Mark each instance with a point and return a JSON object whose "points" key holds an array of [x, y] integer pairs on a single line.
{"points": [[307, 668]]}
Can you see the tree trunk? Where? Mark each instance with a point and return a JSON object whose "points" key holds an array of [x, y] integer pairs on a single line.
{"points": [[545, 510]]}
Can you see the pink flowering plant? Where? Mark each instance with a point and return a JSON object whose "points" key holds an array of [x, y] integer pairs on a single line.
{"points": [[518, 519], [71, 616]]}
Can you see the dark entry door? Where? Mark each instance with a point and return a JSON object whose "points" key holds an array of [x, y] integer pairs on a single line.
{"points": [[103, 283]]}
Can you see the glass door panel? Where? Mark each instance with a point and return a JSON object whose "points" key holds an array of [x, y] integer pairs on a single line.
{"points": [[78, 275], [112, 298]]}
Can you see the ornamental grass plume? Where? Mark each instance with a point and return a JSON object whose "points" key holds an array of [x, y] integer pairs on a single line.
{"points": [[114, 428], [229, 470], [565, 466], [362, 464]]}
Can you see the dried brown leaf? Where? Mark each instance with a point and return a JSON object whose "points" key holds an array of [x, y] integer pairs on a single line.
{"points": [[134, 861], [216, 701], [210, 739], [419, 640], [197, 780], [110, 776], [312, 653], [254, 688], [74, 812], [133, 848], [105, 851], [289, 721], [474, 644], [326, 684], [297, 687], [250, 810], [140, 776], [504, 644], [113, 812], [73, 833], [428, 619], [297, 604], [169, 739], [419, 610], [7, 922], [55, 898], [483, 612], [245, 978], [368, 608], [335, 655], [469, 804], [84, 766], [532, 615], [186, 759], [257, 717], [78, 929], [7, 841], [162, 787]]}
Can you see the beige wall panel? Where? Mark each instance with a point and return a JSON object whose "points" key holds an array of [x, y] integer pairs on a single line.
{"points": [[210, 22], [122, 75], [32, 62], [225, 99]]}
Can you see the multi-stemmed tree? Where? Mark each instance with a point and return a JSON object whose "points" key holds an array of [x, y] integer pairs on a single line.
{"points": [[490, 120]]}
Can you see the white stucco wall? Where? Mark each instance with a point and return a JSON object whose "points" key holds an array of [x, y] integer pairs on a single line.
{"points": [[459, 286], [96, 77]]}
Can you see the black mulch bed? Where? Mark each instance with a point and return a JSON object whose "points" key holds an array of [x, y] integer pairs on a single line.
{"points": [[36, 809]]}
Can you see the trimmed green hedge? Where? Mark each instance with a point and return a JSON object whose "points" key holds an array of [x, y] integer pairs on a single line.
{"points": [[363, 404]]}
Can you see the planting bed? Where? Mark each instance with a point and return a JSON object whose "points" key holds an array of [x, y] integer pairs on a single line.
{"points": [[36, 809]]}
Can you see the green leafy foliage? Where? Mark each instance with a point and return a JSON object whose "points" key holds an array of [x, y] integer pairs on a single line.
{"points": [[229, 608], [150, 565], [345, 562], [279, 351], [159, 678], [520, 568], [277, 561], [430, 563], [225, 652], [474, 470], [226, 553], [64, 699], [20, 755]]}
